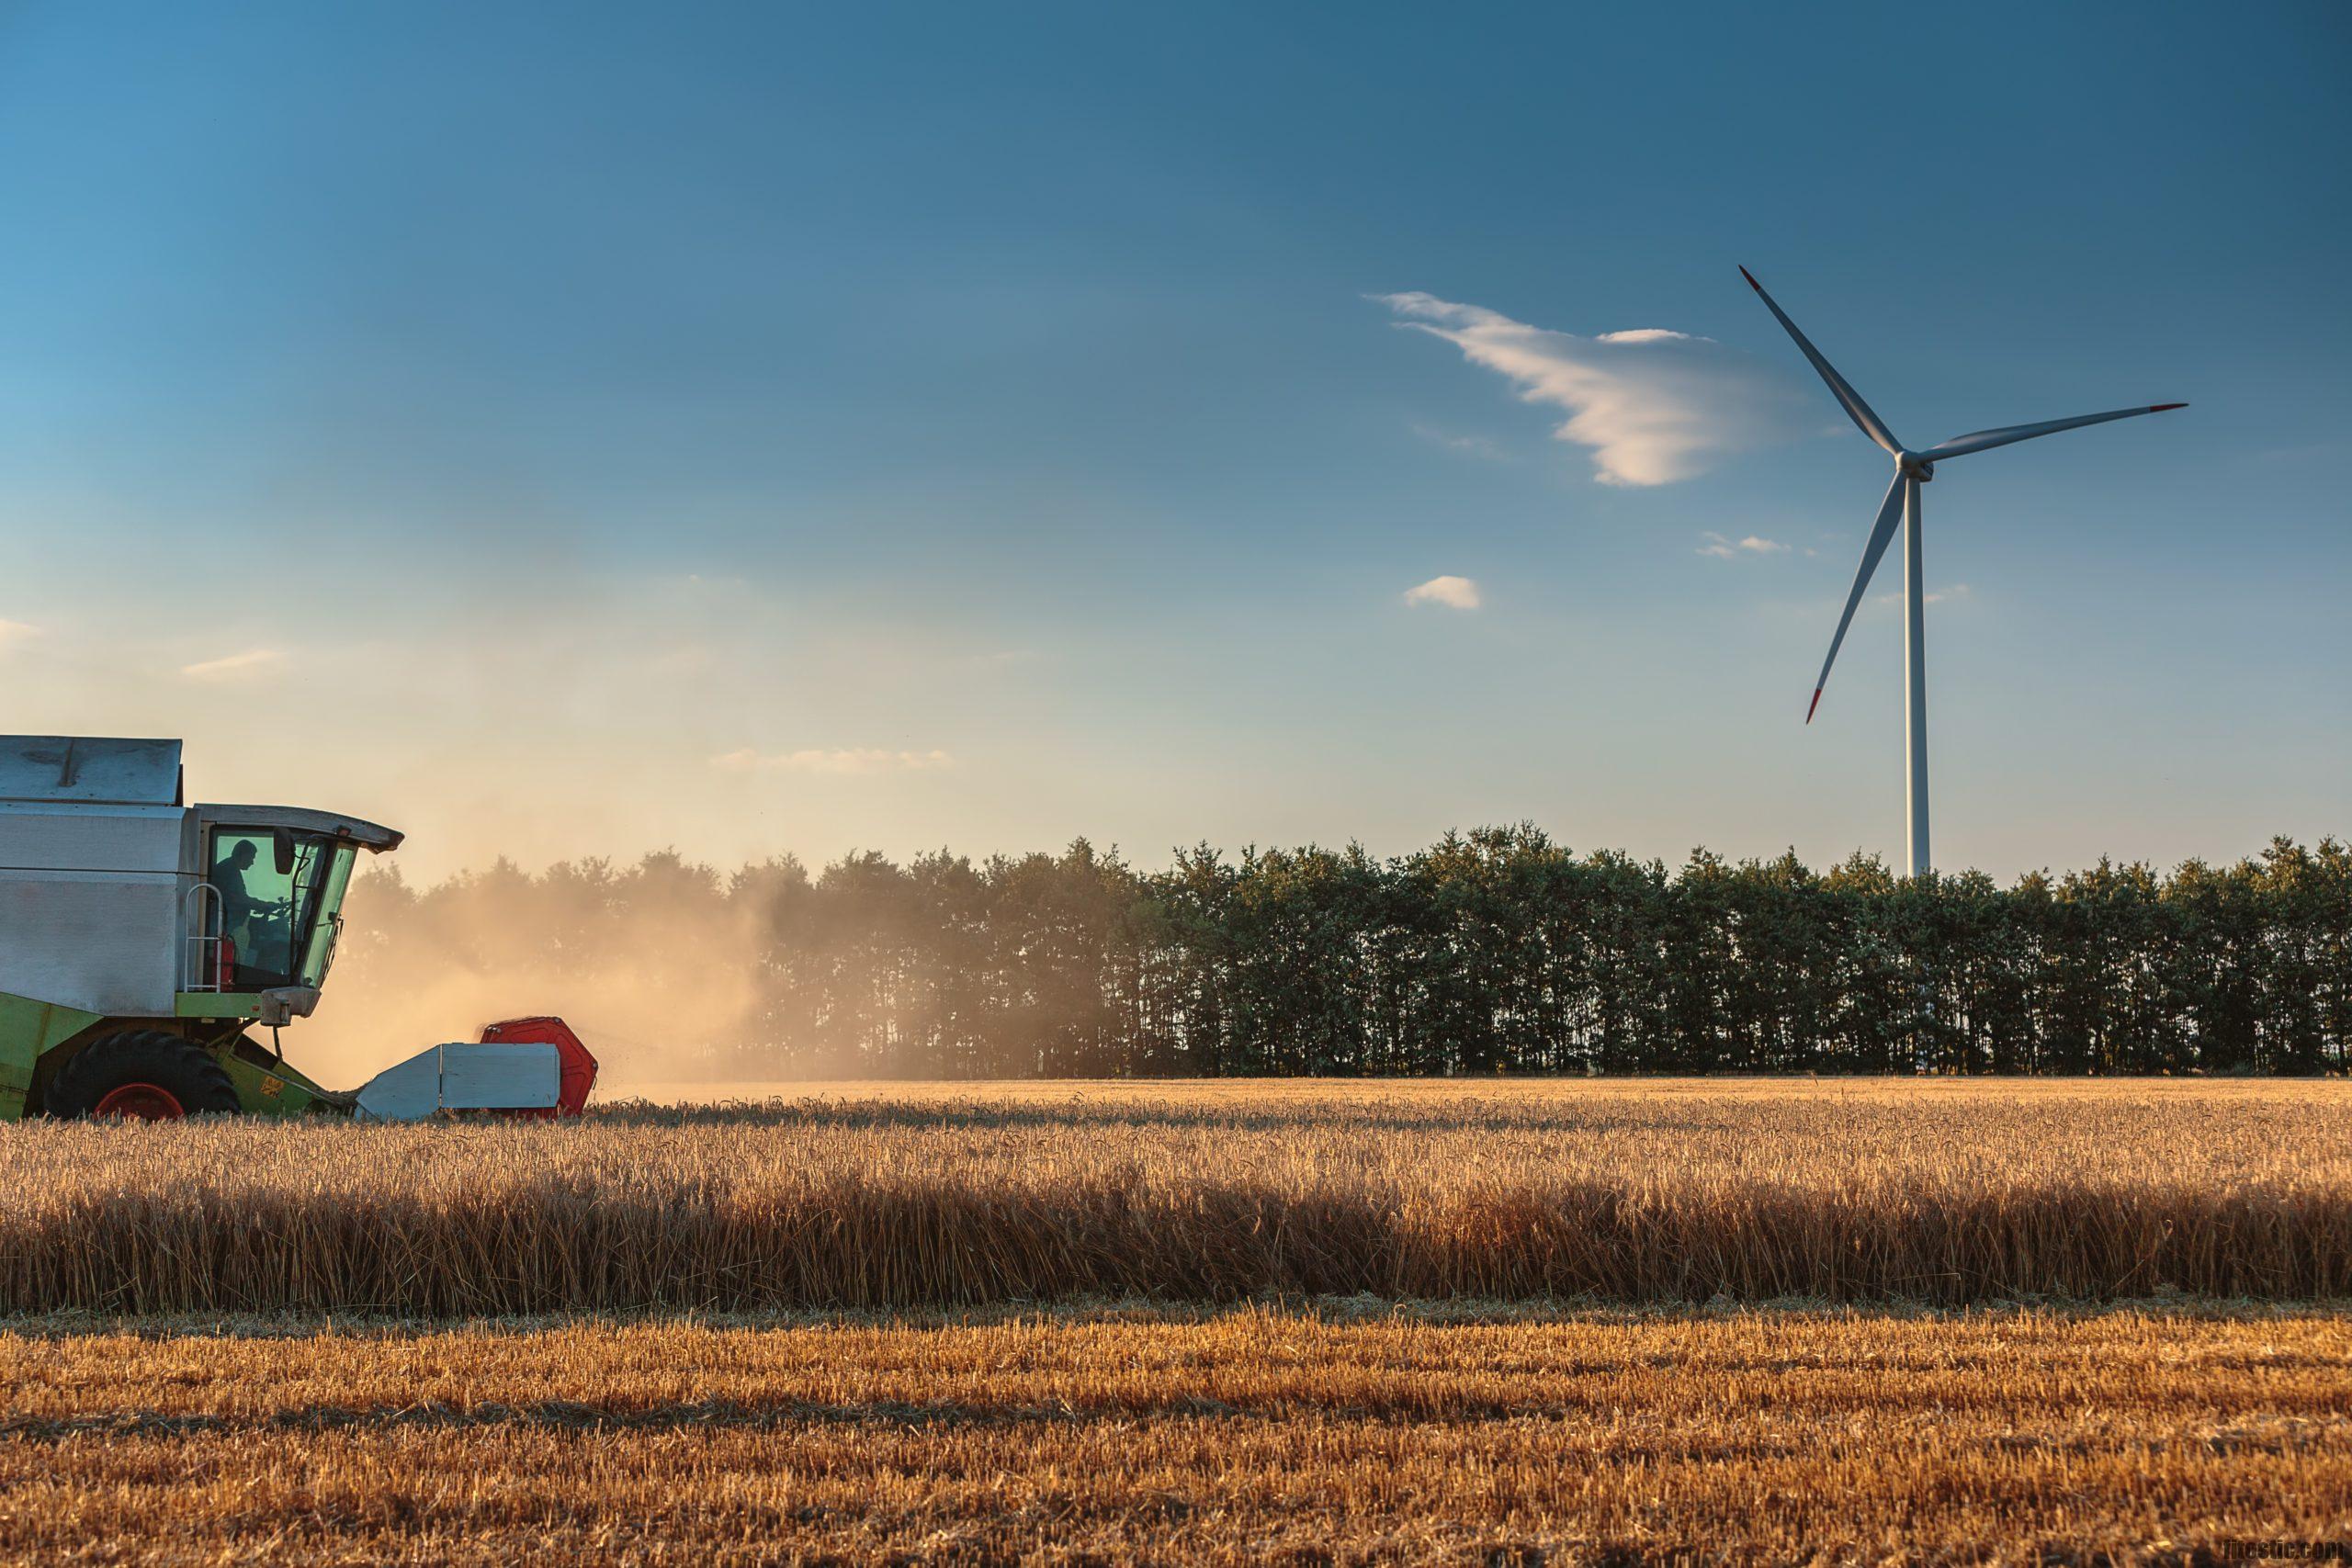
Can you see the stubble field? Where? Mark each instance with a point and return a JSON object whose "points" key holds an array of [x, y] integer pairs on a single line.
{"points": [[1241, 1436], [1750, 1322]]}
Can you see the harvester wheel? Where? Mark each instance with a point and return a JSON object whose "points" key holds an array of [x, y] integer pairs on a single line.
{"points": [[142, 1075]]}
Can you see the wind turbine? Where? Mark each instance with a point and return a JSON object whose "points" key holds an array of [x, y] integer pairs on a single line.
{"points": [[1912, 469]]}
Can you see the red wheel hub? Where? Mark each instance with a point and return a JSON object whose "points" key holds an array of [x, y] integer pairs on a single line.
{"points": [[141, 1102]]}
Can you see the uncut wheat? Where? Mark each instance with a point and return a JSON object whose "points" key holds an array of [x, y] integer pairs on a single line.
{"points": [[924, 1196]]}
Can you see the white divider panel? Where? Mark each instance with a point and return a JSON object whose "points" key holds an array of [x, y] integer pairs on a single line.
{"points": [[463, 1076]]}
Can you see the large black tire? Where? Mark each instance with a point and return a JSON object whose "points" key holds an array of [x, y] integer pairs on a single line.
{"points": [[141, 1072]]}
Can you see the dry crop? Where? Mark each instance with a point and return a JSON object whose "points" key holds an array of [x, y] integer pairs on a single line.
{"points": [[1246, 1436], [1641, 1191]]}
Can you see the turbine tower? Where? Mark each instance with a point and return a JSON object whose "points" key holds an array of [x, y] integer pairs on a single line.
{"points": [[1912, 469]]}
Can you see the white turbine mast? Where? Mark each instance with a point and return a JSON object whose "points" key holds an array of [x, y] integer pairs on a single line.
{"points": [[1912, 469]]}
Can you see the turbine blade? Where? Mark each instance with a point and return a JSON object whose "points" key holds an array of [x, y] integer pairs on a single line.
{"points": [[1848, 398], [1979, 440], [1890, 512]]}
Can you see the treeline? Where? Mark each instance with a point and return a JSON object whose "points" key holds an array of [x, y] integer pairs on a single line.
{"points": [[1494, 951]]}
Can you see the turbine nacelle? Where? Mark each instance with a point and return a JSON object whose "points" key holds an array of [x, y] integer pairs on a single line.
{"points": [[1915, 467]]}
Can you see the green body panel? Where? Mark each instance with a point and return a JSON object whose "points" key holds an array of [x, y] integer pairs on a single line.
{"points": [[217, 1004], [28, 1030], [275, 1091]]}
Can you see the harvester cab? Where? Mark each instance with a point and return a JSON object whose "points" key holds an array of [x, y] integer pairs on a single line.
{"points": [[142, 937]]}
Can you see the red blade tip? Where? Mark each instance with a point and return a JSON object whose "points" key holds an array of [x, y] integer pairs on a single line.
{"points": [[1751, 278], [1813, 705], [2159, 408]]}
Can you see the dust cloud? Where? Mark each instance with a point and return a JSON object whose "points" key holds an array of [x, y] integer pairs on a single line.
{"points": [[656, 967]]}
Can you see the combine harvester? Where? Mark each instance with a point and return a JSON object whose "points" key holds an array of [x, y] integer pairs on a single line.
{"points": [[142, 937]]}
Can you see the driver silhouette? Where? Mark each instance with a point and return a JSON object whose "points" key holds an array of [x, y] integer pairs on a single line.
{"points": [[237, 906]]}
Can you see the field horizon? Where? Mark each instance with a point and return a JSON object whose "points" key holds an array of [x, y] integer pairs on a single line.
{"points": [[616, 1094]]}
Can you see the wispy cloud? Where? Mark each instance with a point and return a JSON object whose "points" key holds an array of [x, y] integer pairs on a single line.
{"points": [[243, 666], [16, 631], [1654, 405], [1722, 548], [1935, 595], [1454, 592], [1485, 446], [852, 760]]}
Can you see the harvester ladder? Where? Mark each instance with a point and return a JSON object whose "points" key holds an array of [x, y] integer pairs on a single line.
{"points": [[207, 942]]}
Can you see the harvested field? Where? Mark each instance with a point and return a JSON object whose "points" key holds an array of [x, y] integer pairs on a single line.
{"points": [[1247, 1435], [1634, 1192]]}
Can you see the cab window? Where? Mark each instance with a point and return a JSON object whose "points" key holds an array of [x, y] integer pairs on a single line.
{"points": [[265, 910], [320, 953]]}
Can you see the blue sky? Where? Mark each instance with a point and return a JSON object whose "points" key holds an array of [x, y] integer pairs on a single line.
{"points": [[569, 430]]}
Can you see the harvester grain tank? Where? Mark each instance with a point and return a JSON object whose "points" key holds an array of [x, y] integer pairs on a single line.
{"points": [[142, 938]]}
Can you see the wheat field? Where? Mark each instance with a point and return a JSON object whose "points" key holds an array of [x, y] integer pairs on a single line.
{"points": [[909, 1197], [1604, 1323], [1246, 1435]]}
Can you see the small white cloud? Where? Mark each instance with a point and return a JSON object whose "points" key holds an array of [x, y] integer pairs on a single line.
{"points": [[13, 632], [1454, 592], [1654, 405], [852, 760], [1723, 548], [1464, 445], [245, 666], [1935, 595]]}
